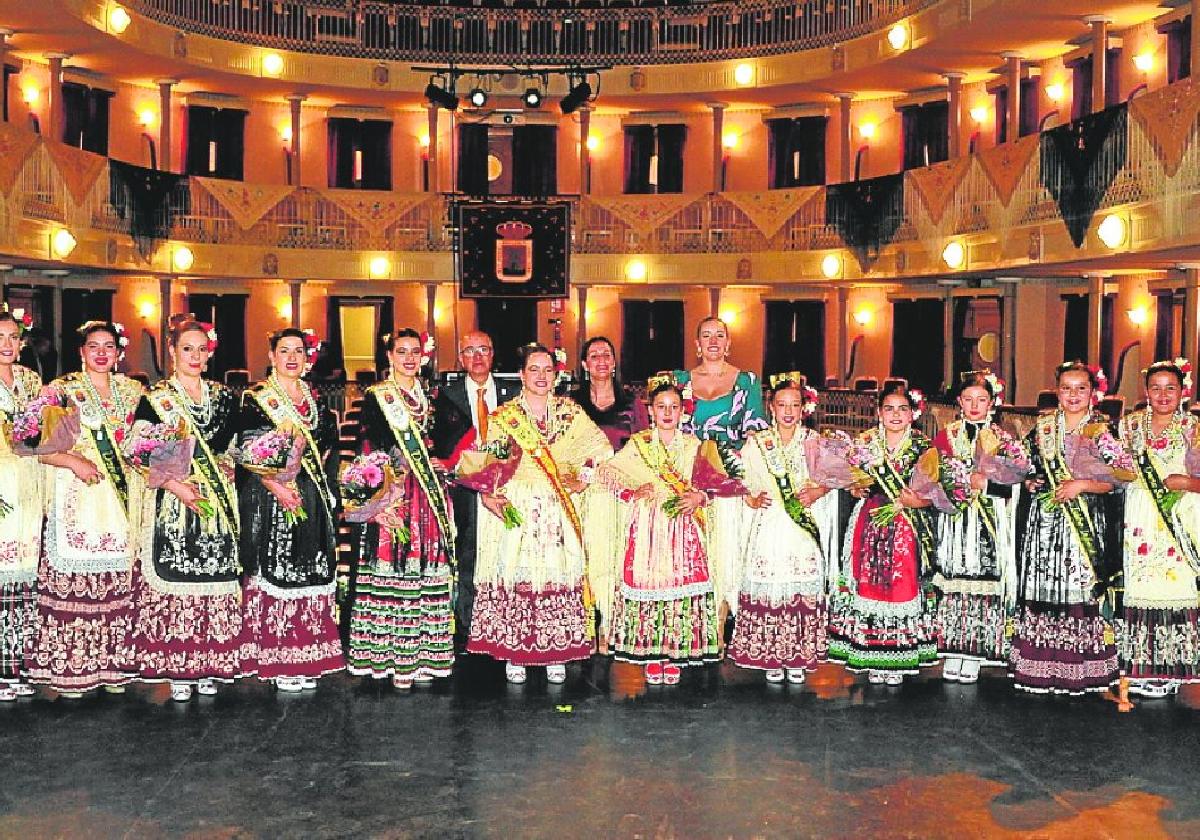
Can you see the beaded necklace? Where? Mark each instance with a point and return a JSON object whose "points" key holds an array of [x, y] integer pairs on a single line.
{"points": [[12, 398], [201, 411], [309, 422], [115, 408]]}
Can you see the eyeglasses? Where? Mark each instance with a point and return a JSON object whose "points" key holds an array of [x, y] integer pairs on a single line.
{"points": [[481, 350]]}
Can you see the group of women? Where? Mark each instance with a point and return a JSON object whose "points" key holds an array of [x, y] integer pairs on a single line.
{"points": [[1070, 556]]}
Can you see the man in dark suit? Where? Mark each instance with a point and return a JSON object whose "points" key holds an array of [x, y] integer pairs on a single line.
{"points": [[459, 408]]}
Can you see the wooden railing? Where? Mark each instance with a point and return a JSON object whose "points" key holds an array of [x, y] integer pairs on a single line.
{"points": [[629, 36]]}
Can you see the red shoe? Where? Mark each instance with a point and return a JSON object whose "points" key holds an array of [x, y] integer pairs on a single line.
{"points": [[671, 674], [654, 673]]}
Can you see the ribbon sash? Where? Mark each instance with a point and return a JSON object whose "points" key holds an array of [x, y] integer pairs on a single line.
{"points": [[1078, 516], [1153, 481], [278, 408], [110, 457], [413, 448], [661, 466], [981, 501], [892, 484], [771, 446], [522, 430]]}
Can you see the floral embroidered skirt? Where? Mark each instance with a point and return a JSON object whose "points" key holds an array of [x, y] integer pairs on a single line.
{"points": [[16, 625], [82, 625], [791, 635], [289, 637], [972, 626], [527, 626], [885, 636], [1159, 643], [186, 637], [682, 630], [400, 624], [1062, 649]]}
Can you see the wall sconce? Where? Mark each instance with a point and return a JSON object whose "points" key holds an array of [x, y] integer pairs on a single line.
{"points": [[146, 309], [1144, 62], [867, 130], [379, 268], [1138, 315], [593, 142], [898, 36], [863, 317], [62, 243], [285, 309], [1056, 92], [182, 258], [729, 315], [743, 74], [147, 118], [954, 255], [285, 133], [729, 140], [118, 19], [979, 114], [635, 271], [424, 141], [1113, 230], [272, 64], [831, 266], [30, 94]]}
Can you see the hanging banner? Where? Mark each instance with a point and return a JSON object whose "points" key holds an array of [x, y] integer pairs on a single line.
{"points": [[245, 203], [1004, 165], [1168, 119], [644, 213], [768, 211], [1080, 161], [16, 145], [375, 210], [937, 184]]}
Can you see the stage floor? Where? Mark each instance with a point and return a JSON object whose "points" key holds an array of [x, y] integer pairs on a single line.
{"points": [[722, 755]]}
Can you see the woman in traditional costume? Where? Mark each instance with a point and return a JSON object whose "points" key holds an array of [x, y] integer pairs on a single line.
{"points": [[1067, 558], [976, 561], [782, 610], [400, 617], [186, 584], [881, 622], [532, 604], [288, 539], [85, 608], [1158, 628], [665, 610], [21, 524]]}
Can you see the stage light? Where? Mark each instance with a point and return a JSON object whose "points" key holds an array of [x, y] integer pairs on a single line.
{"points": [[863, 317], [1144, 62], [532, 98], [272, 64], [1113, 230], [743, 74], [147, 117], [898, 36], [577, 96], [635, 271], [478, 97], [441, 98], [62, 243], [1138, 315], [1055, 92], [979, 114], [118, 19], [867, 130], [379, 268], [954, 254], [182, 258], [831, 266]]}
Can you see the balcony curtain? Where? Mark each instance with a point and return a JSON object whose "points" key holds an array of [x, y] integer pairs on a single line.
{"points": [[78, 307], [925, 131], [147, 199], [796, 152], [866, 214], [795, 339], [918, 342], [1179, 56], [1081, 83], [473, 159], [226, 127], [639, 149], [373, 138], [1028, 119], [85, 124], [227, 313], [670, 157], [535, 160], [1080, 161]]}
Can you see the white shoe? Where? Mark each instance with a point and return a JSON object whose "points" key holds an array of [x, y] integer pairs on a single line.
{"points": [[952, 668], [969, 672], [514, 673], [775, 675], [424, 676], [181, 692], [796, 676], [308, 683], [556, 674], [894, 679], [206, 687], [291, 685], [875, 677], [402, 682], [24, 689], [114, 689], [7, 694]]}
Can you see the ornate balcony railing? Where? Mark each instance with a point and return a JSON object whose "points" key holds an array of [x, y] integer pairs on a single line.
{"points": [[388, 31]]}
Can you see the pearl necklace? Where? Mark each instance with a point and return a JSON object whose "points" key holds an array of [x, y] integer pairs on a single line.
{"points": [[117, 402], [12, 398], [202, 410], [306, 393]]}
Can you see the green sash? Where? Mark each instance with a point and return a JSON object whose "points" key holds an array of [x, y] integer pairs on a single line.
{"points": [[409, 437], [279, 410], [771, 446], [982, 501], [1079, 517], [892, 484], [96, 421]]}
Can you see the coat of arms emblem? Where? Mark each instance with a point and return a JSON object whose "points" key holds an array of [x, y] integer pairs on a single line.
{"points": [[514, 252]]}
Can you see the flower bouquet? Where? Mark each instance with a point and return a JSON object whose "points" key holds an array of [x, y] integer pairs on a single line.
{"points": [[371, 492], [163, 452], [46, 426], [944, 480], [1097, 455], [276, 455], [1000, 457], [828, 458]]}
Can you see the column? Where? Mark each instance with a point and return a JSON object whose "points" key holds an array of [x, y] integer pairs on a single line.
{"points": [[1012, 74], [1008, 336], [57, 113], [954, 83], [718, 151], [294, 105], [1095, 313], [432, 112], [581, 323], [164, 321], [1191, 314], [430, 307], [5, 34], [1099, 25], [948, 338], [585, 154], [164, 122], [843, 336], [845, 134], [294, 287]]}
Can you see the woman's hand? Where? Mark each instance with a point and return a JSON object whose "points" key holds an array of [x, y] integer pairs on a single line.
{"points": [[1180, 483], [288, 497], [646, 491], [692, 501], [860, 492], [979, 482], [84, 469], [1068, 490], [1035, 485], [909, 499], [811, 495], [574, 483], [495, 503], [759, 501], [186, 492]]}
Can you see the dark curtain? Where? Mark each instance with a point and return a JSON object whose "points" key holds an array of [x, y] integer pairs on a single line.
{"points": [[963, 347], [1029, 118], [510, 323], [1179, 55], [1075, 328], [1081, 87], [148, 200], [1080, 161], [373, 138], [78, 307], [1108, 308], [639, 148], [9, 71], [918, 342], [1001, 116], [651, 337], [535, 160], [85, 124], [472, 159], [387, 326], [796, 152], [924, 128], [227, 313], [1165, 344], [795, 339], [670, 157], [225, 127], [332, 356], [866, 214]]}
